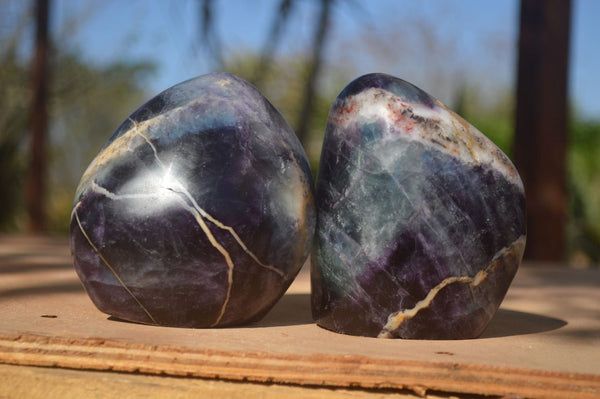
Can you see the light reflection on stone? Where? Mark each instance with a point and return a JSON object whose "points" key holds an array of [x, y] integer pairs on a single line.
{"points": [[421, 222], [198, 211]]}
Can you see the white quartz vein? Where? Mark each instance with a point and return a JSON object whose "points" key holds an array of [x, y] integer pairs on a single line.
{"points": [[199, 215], [108, 265], [396, 319]]}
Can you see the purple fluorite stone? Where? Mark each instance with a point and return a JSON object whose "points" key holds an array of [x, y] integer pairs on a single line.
{"points": [[421, 223], [197, 212]]}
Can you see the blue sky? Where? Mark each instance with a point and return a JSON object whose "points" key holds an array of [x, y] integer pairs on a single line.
{"points": [[477, 35]]}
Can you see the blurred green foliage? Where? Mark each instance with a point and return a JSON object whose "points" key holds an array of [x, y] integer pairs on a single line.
{"points": [[13, 123], [584, 192], [87, 103]]}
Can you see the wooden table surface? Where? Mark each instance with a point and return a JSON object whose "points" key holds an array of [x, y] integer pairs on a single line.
{"points": [[543, 342]]}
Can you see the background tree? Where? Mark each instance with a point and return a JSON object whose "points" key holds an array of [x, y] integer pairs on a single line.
{"points": [[85, 103], [541, 123], [90, 95], [36, 181]]}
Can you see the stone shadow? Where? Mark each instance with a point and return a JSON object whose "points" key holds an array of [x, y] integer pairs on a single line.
{"points": [[291, 309], [508, 322]]}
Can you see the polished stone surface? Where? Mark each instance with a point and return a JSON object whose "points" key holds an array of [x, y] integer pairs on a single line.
{"points": [[197, 212], [421, 224]]}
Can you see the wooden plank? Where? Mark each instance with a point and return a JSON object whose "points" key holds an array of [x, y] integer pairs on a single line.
{"points": [[544, 341], [43, 383], [315, 370]]}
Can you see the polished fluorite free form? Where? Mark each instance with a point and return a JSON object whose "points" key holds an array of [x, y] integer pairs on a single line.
{"points": [[421, 223], [197, 212]]}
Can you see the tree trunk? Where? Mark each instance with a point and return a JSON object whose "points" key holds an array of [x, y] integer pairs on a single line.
{"points": [[541, 123], [36, 183]]}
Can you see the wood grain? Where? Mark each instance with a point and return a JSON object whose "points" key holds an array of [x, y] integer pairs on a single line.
{"points": [[544, 341]]}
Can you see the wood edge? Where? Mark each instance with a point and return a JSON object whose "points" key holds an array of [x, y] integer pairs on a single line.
{"points": [[323, 370]]}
